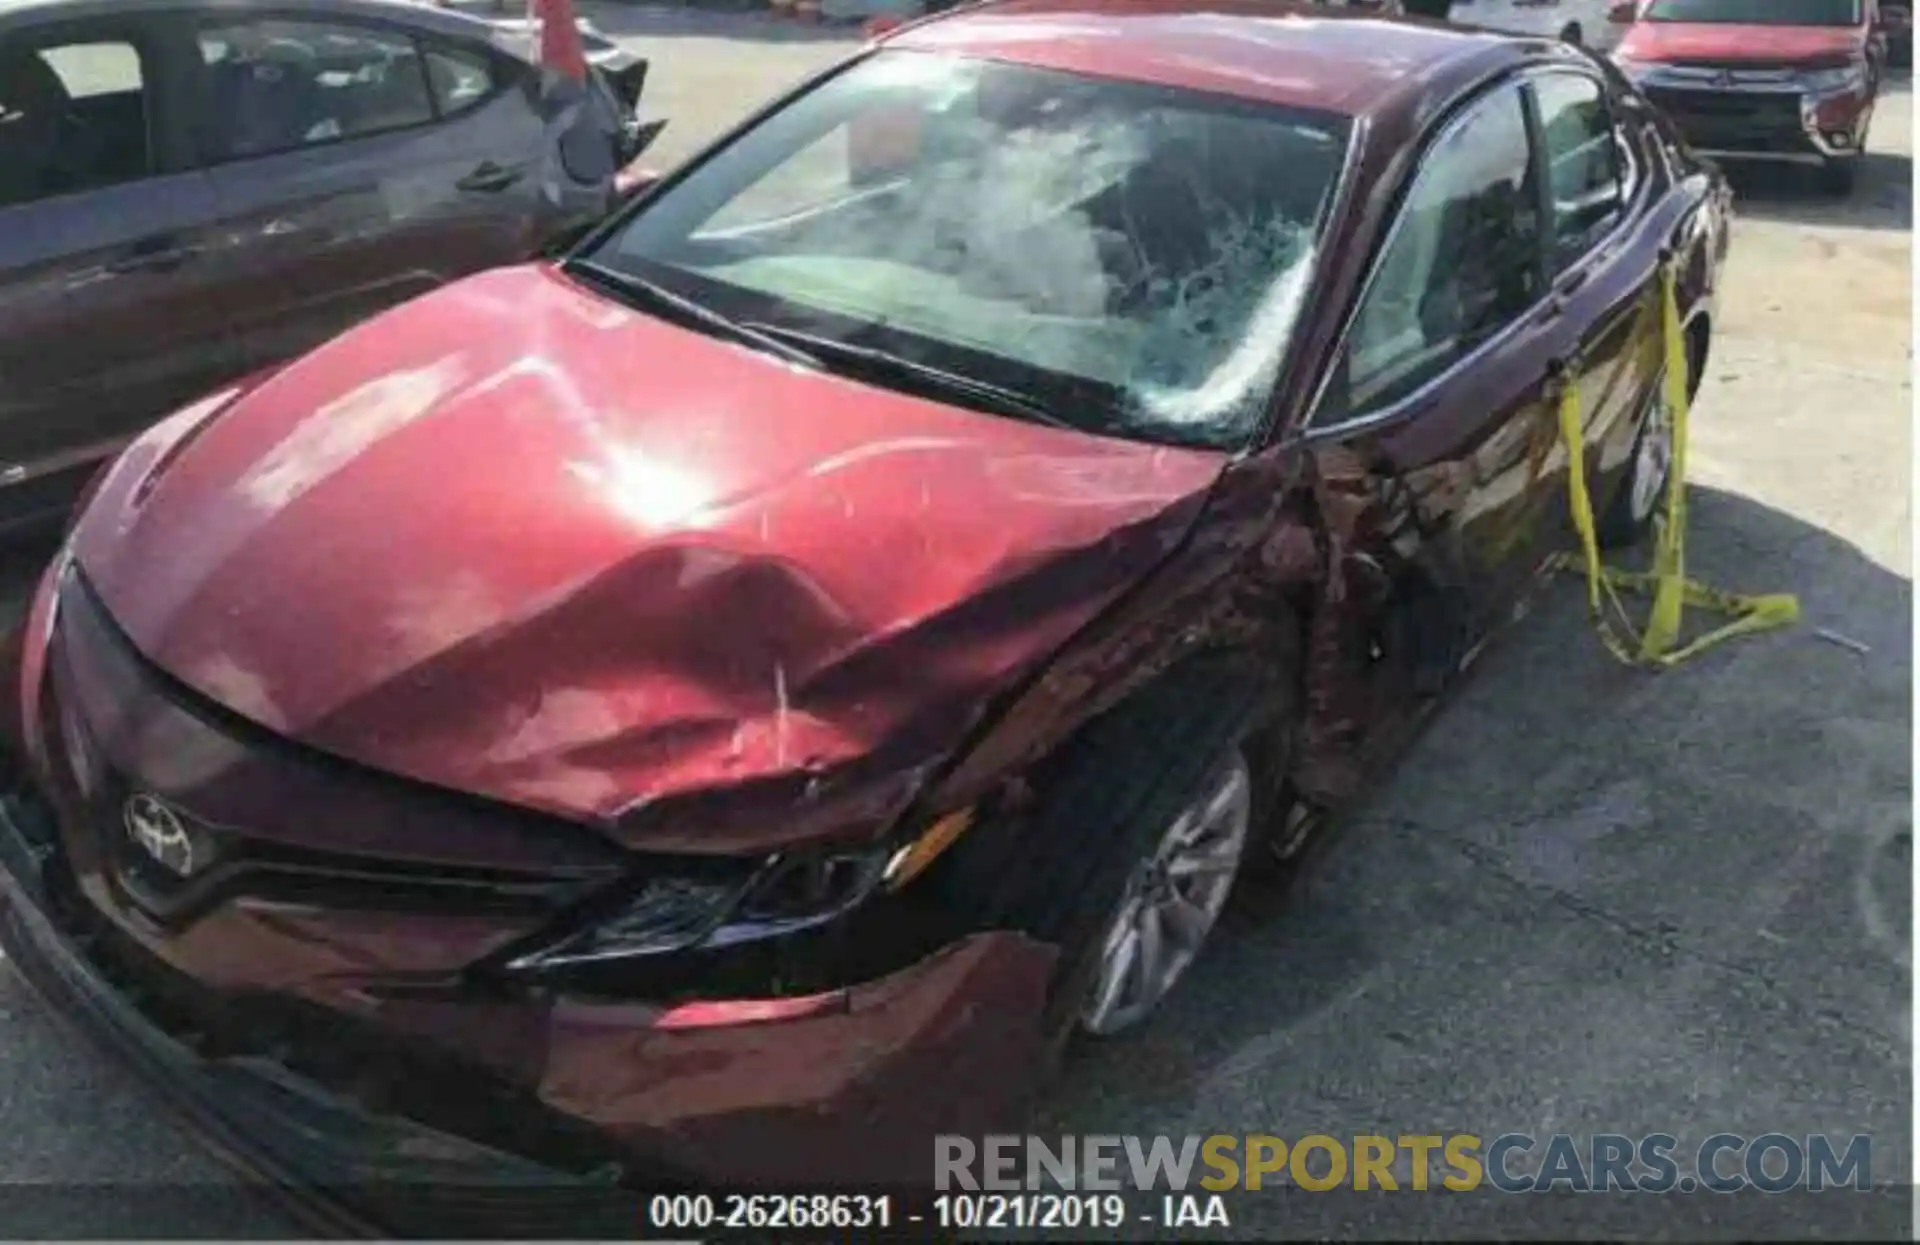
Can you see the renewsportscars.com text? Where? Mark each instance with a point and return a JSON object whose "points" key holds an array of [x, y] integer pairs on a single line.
{"points": [[1460, 1162]]}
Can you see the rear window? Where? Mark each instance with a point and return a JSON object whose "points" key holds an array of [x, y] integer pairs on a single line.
{"points": [[89, 69], [73, 117], [1757, 12], [276, 85]]}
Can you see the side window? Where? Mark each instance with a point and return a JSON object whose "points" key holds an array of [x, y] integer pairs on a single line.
{"points": [[73, 117], [459, 77], [1583, 162], [1461, 263], [277, 85]]}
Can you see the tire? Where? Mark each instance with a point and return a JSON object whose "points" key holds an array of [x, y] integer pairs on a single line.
{"points": [[1837, 177], [1063, 873], [1629, 516]]}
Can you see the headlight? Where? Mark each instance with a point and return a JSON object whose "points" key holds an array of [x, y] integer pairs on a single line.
{"points": [[1839, 78], [711, 904]]}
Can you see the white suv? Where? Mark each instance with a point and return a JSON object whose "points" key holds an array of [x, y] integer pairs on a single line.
{"points": [[1577, 21]]}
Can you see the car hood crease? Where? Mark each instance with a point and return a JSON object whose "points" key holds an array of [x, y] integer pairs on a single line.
{"points": [[517, 540]]}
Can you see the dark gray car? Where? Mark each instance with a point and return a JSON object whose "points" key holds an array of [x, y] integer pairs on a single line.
{"points": [[191, 190]]}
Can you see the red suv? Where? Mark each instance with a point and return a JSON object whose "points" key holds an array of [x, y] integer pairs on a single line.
{"points": [[1792, 80]]}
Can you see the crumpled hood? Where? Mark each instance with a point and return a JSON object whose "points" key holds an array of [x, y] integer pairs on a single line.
{"points": [[517, 540], [1718, 43]]}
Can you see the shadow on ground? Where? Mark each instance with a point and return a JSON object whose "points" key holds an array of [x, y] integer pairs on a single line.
{"points": [[1591, 899], [1881, 198]]}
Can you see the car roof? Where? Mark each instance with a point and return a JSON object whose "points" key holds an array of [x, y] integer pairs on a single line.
{"points": [[416, 13], [1299, 54]]}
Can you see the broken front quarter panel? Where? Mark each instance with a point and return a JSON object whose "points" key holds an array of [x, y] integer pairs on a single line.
{"points": [[1282, 570], [560, 554]]}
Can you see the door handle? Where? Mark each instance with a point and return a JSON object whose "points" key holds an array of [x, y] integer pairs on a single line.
{"points": [[153, 255], [490, 177]]}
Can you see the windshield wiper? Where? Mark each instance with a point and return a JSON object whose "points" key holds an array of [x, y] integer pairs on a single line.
{"points": [[640, 289], [875, 362]]}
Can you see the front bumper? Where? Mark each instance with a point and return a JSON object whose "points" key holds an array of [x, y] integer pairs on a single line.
{"points": [[333, 1166], [852, 1099], [332, 1038], [1782, 123]]}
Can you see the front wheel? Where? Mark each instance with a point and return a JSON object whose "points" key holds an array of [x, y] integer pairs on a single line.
{"points": [[1173, 897], [1629, 517], [1132, 848]]}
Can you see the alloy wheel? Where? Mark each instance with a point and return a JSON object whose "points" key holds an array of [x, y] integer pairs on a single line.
{"points": [[1653, 460], [1172, 900]]}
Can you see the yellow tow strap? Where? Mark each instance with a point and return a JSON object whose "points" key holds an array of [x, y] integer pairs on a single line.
{"points": [[1672, 592]]}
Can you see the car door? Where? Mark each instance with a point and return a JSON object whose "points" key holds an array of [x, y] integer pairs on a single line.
{"points": [[107, 316], [1606, 319], [356, 167], [1440, 383]]}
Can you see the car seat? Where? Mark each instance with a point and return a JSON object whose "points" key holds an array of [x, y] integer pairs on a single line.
{"points": [[33, 102]]}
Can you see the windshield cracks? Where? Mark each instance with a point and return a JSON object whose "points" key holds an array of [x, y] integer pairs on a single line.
{"points": [[1116, 258]]}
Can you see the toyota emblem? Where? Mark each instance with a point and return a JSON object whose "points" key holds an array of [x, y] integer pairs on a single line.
{"points": [[160, 831]]}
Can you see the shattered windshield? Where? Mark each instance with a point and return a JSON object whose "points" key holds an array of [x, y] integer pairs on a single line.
{"points": [[1130, 259]]}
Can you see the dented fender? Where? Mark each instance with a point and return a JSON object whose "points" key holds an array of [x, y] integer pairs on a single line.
{"points": [[1261, 579]]}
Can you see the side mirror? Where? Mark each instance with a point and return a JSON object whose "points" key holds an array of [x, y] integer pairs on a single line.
{"points": [[1622, 14]]}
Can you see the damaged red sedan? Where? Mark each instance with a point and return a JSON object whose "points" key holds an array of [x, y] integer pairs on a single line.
{"points": [[720, 707]]}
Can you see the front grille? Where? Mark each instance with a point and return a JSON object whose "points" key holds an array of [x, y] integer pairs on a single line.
{"points": [[435, 1087], [1766, 108], [1736, 119], [1743, 73]]}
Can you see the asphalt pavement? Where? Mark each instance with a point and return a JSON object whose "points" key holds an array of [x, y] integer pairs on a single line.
{"points": [[1592, 900]]}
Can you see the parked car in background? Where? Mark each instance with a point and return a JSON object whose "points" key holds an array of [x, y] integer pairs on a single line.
{"points": [[1576, 21], [192, 191], [720, 706], [1779, 80]]}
